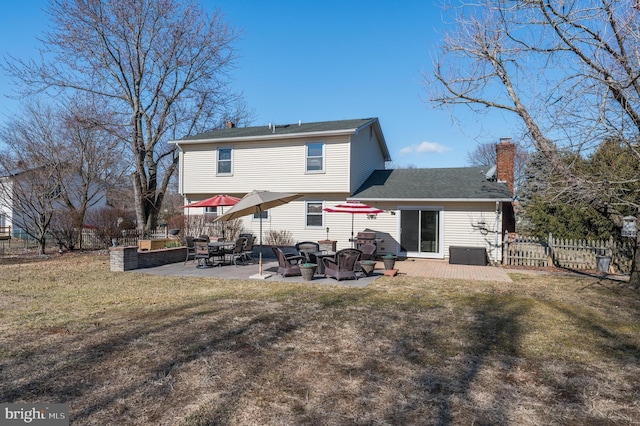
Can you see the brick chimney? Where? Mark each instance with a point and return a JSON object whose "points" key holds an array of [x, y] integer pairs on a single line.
{"points": [[229, 124], [505, 158]]}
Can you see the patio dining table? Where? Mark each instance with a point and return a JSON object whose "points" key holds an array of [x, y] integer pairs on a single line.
{"points": [[319, 255], [220, 249]]}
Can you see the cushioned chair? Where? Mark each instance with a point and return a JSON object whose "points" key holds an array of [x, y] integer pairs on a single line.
{"points": [[305, 249], [287, 265], [344, 265], [191, 249]]}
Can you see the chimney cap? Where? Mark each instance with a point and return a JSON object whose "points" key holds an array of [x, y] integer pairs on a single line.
{"points": [[505, 141]]}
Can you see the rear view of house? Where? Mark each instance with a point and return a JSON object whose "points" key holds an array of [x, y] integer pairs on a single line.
{"points": [[425, 211]]}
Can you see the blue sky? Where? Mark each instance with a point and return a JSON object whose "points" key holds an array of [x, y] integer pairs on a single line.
{"points": [[324, 60]]}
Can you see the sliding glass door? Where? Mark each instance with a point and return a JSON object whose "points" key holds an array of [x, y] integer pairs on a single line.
{"points": [[420, 232]]}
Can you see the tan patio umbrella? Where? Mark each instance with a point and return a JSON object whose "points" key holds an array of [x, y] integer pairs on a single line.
{"points": [[257, 202]]}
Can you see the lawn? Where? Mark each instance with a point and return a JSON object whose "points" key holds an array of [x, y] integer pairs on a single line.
{"points": [[129, 348]]}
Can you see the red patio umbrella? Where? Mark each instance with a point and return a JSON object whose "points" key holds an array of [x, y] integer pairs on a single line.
{"points": [[353, 207], [216, 201]]}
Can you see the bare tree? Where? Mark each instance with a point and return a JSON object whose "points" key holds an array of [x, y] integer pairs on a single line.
{"points": [[160, 66], [91, 164], [567, 71], [30, 185], [59, 164]]}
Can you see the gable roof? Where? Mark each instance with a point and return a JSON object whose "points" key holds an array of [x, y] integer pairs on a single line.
{"points": [[287, 131], [445, 184]]}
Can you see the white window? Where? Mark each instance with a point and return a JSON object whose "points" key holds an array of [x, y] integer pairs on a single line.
{"points": [[225, 161], [211, 210], [315, 157], [314, 216]]}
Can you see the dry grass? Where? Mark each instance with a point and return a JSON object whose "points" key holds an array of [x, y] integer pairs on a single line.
{"points": [[127, 348]]}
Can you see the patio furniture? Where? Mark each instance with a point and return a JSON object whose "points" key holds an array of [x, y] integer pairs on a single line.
{"points": [[201, 253], [219, 250], [287, 265], [318, 256], [204, 237], [344, 264], [247, 251], [305, 249], [191, 249], [237, 252]]}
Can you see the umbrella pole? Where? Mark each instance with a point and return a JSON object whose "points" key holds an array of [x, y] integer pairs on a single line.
{"points": [[260, 262], [353, 243]]}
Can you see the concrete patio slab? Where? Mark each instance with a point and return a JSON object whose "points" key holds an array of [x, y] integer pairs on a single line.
{"points": [[411, 267]]}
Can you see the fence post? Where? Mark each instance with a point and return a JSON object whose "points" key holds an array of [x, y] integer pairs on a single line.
{"points": [[505, 248]]}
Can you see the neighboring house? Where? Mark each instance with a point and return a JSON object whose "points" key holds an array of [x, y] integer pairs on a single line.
{"points": [[426, 210], [27, 187]]}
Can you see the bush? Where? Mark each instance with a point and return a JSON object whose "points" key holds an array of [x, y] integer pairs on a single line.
{"points": [[279, 238]]}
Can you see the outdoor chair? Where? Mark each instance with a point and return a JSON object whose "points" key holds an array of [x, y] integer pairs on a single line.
{"points": [[204, 237], [305, 249], [287, 265], [344, 265], [201, 253], [247, 251], [238, 251], [191, 249]]}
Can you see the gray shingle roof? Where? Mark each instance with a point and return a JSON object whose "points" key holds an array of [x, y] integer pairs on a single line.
{"points": [[282, 129], [460, 183]]}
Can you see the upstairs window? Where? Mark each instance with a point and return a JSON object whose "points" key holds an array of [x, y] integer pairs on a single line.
{"points": [[315, 157], [224, 161]]}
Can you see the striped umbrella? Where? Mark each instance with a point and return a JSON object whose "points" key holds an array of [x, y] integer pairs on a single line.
{"points": [[353, 207]]}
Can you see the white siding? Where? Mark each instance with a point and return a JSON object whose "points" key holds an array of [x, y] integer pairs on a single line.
{"points": [[366, 156], [275, 166]]}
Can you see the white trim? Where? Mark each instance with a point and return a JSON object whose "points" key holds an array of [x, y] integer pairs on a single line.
{"points": [[322, 156], [218, 172], [306, 210], [441, 218], [431, 200]]}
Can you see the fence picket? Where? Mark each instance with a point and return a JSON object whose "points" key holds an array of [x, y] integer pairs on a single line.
{"points": [[578, 254]]}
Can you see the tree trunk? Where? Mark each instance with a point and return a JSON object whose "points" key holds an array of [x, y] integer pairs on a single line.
{"points": [[634, 279]]}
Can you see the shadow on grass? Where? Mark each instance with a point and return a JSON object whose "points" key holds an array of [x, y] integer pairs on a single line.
{"points": [[350, 369]]}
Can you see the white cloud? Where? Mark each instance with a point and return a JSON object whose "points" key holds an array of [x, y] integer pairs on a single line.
{"points": [[424, 147]]}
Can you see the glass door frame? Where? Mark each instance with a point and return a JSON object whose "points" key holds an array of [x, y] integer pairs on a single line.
{"points": [[419, 254]]}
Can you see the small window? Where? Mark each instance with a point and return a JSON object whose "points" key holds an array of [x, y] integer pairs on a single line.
{"points": [[211, 210], [314, 214], [264, 214], [315, 157], [224, 161]]}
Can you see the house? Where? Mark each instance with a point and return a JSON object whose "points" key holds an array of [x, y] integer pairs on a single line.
{"points": [[29, 198], [425, 210]]}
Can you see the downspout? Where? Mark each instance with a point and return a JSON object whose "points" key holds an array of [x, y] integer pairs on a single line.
{"points": [[495, 249]]}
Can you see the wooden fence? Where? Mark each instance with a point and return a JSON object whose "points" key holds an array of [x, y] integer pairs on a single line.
{"points": [[91, 240], [520, 250]]}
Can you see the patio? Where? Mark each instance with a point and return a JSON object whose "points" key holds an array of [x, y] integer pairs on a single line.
{"points": [[411, 267]]}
